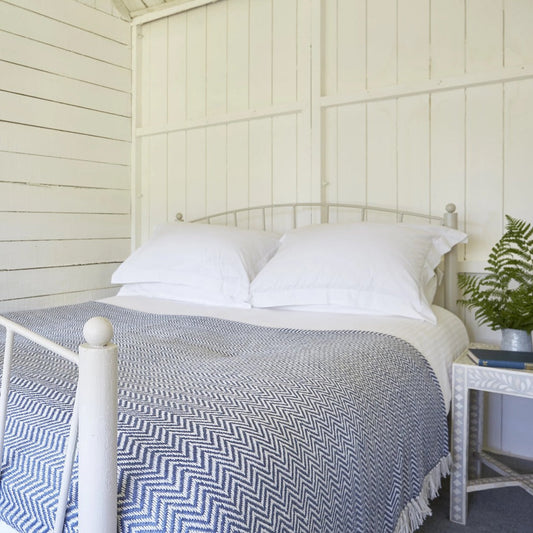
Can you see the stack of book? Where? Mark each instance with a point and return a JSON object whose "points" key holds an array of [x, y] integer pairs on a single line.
{"points": [[502, 358]]}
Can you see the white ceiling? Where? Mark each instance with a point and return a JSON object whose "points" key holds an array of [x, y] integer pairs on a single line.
{"points": [[136, 8]]}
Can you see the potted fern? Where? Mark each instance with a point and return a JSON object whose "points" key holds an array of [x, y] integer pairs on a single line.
{"points": [[502, 297]]}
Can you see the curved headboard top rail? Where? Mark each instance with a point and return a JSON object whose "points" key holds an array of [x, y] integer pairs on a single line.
{"points": [[449, 218], [322, 212]]}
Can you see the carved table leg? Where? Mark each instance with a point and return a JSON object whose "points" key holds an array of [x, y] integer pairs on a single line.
{"points": [[460, 430], [475, 433]]}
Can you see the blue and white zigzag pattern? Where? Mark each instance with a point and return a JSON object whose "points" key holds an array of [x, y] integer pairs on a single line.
{"points": [[226, 427]]}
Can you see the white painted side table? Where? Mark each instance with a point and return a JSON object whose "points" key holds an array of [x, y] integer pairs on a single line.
{"points": [[469, 383]]}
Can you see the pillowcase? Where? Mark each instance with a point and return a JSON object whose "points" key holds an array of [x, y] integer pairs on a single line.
{"points": [[360, 268], [170, 291], [202, 263]]}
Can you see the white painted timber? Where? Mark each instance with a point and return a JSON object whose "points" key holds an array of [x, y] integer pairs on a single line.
{"points": [[24, 80], [65, 145], [52, 300], [237, 67], [30, 226], [58, 116], [64, 36], [42, 141], [349, 151], [271, 111], [484, 168], [230, 68], [19, 197], [447, 30], [381, 43], [55, 280], [447, 150], [350, 30], [165, 9], [21, 255], [382, 155], [42, 56], [78, 15], [419, 75], [216, 170], [413, 41], [518, 156], [518, 44], [37, 169], [215, 59], [484, 30], [413, 166]]}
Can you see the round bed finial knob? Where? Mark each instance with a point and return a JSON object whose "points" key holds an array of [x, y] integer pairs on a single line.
{"points": [[450, 208], [98, 331]]}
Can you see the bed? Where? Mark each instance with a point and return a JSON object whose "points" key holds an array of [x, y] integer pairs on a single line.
{"points": [[258, 394]]}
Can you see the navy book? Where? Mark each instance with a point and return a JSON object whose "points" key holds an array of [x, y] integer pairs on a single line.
{"points": [[502, 358]]}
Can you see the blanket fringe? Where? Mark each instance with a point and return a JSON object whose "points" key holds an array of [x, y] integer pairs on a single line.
{"points": [[415, 512]]}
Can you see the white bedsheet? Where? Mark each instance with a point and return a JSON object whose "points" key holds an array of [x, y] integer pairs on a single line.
{"points": [[440, 343]]}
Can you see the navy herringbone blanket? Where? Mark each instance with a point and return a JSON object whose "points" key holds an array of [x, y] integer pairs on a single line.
{"points": [[227, 427]]}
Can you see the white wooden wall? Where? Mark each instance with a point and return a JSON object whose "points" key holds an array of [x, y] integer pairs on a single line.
{"points": [[402, 103], [222, 109], [408, 103], [65, 142], [431, 101]]}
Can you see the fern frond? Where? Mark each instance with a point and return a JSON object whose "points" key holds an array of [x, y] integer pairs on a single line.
{"points": [[502, 297]]}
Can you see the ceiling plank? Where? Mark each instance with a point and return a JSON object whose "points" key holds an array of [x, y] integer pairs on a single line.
{"points": [[134, 5], [122, 8], [166, 9]]}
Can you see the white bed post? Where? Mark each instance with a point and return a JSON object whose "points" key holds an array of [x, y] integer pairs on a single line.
{"points": [[450, 263], [97, 444]]}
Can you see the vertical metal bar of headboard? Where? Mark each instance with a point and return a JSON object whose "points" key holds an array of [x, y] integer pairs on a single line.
{"points": [[294, 217], [6, 374], [263, 215], [450, 220], [235, 218]]}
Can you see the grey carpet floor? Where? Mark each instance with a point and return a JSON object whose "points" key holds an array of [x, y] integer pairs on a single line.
{"points": [[504, 510]]}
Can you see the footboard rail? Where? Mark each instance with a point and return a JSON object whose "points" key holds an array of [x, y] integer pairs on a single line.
{"points": [[93, 425]]}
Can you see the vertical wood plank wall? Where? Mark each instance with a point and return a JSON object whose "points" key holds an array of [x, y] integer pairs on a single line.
{"points": [[421, 102], [223, 110], [65, 137]]}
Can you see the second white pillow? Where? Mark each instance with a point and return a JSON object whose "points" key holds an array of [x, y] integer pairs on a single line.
{"points": [[364, 267]]}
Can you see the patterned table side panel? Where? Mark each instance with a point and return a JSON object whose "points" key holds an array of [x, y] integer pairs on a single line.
{"points": [[517, 383]]}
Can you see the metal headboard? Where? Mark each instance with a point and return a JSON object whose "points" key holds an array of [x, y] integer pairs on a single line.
{"points": [[448, 298], [325, 212]]}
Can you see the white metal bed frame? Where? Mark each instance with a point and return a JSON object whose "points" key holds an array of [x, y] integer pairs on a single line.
{"points": [[93, 426]]}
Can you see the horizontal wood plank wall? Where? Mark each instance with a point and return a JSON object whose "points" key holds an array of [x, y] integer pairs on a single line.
{"points": [[223, 110], [65, 144]]}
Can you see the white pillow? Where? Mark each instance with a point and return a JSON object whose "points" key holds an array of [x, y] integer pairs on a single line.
{"points": [[170, 291], [204, 262], [368, 268]]}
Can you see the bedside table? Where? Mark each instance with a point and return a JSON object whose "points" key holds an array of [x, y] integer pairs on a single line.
{"points": [[469, 382]]}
